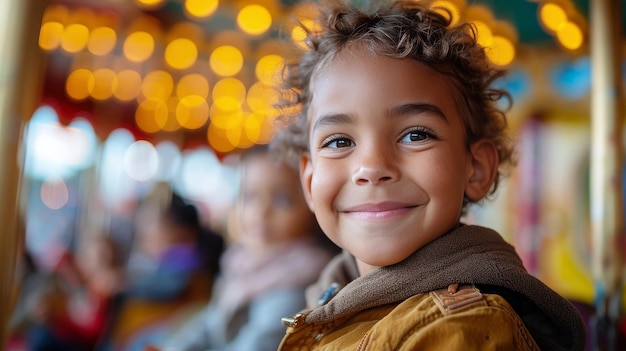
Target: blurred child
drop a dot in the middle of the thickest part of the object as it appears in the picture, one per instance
(75, 309)
(397, 131)
(168, 254)
(277, 251)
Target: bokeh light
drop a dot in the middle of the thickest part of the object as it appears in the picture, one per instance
(552, 16)
(138, 46)
(105, 82)
(483, 33)
(79, 84)
(50, 35)
(502, 51)
(102, 41)
(201, 8)
(130, 87)
(141, 161)
(218, 140)
(192, 112)
(570, 35)
(226, 60)
(75, 38)
(157, 84)
(231, 88)
(449, 9)
(151, 115)
(181, 53)
(192, 84)
(269, 69)
(254, 19)
(54, 193)
(262, 98)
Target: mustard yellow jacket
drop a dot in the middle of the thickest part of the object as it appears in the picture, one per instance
(418, 304)
(468, 321)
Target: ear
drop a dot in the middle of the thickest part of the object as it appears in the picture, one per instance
(306, 177)
(482, 170)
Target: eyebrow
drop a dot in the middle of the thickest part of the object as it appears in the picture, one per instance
(332, 119)
(418, 108)
(401, 110)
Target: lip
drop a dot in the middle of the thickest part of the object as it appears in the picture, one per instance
(379, 210)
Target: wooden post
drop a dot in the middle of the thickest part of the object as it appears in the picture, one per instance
(607, 211)
(20, 83)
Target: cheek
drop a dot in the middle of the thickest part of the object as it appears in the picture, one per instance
(324, 187)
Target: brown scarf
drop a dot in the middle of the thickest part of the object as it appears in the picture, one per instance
(468, 254)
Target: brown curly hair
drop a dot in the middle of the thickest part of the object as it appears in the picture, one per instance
(406, 30)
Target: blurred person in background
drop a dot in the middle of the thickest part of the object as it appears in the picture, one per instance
(170, 272)
(71, 307)
(168, 252)
(277, 250)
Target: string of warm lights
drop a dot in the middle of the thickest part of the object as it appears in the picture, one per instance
(185, 76)
(175, 93)
(562, 19)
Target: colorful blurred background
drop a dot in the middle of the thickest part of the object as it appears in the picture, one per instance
(110, 104)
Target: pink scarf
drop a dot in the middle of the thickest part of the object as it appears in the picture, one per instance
(247, 274)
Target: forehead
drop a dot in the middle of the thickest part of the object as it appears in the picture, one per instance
(359, 76)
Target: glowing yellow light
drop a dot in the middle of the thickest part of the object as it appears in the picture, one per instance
(105, 82)
(181, 53)
(151, 115)
(171, 124)
(218, 140)
(101, 41)
(138, 46)
(149, 3)
(56, 13)
(254, 19)
(552, 16)
(193, 84)
(262, 97)
(229, 87)
(448, 9)
(502, 52)
(192, 112)
(74, 38)
(226, 60)
(483, 33)
(299, 34)
(79, 83)
(269, 69)
(50, 35)
(258, 128)
(226, 117)
(570, 36)
(130, 85)
(201, 8)
(157, 84)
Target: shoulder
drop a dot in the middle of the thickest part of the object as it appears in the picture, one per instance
(452, 319)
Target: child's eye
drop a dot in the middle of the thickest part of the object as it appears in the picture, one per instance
(337, 142)
(417, 134)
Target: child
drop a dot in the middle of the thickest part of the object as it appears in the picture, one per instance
(396, 133)
(277, 252)
(74, 313)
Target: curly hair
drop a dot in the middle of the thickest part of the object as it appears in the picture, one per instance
(405, 30)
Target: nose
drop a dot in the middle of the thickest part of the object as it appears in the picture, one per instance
(375, 168)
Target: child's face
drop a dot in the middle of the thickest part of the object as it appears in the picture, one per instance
(273, 208)
(388, 164)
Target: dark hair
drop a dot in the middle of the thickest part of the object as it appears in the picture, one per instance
(181, 213)
(405, 30)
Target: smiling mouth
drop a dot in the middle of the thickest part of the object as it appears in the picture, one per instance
(380, 210)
